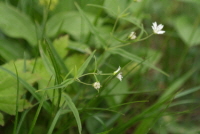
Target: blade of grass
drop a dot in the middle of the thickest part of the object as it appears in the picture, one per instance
(75, 112)
(17, 100)
(135, 58)
(37, 114)
(54, 121)
(186, 92)
(176, 85)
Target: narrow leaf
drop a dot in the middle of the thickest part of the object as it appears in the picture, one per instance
(75, 112)
(135, 58)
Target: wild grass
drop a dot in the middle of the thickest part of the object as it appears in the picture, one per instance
(73, 66)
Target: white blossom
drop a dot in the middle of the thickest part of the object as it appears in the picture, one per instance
(119, 68)
(96, 85)
(119, 76)
(132, 36)
(157, 29)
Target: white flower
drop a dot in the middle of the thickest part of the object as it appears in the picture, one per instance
(119, 68)
(96, 85)
(119, 76)
(132, 36)
(157, 29)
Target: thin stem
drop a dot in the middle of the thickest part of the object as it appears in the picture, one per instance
(131, 42)
(82, 82)
(95, 74)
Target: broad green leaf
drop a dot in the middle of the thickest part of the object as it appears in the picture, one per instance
(83, 48)
(115, 7)
(84, 65)
(75, 60)
(68, 22)
(61, 45)
(188, 30)
(73, 108)
(25, 79)
(8, 89)
(135, 58)
(10, 50)
(16, 24)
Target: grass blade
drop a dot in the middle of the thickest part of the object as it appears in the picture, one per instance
(135, 58)
(75, 112)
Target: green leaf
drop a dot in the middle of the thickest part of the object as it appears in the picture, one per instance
(75, 112)
(115, 6)
(188, 91)
(75, 60)
(188, 30)
(25, 78)
(16, 24)
(135, 58)
(84, 65)
(61, 45)
(68, 22)
(53, 124)
(10, 50)
(92, 28)
(1, 119)
(83, 48)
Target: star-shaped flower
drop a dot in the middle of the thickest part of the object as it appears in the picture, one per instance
(157, 29)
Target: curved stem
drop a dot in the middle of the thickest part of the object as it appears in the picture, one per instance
(132, 42)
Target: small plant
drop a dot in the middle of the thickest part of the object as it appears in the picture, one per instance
(90, 67)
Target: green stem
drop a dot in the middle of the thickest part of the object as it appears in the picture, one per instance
(82, 82)
(132, 42)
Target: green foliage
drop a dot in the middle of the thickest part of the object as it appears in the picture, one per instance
(16, 24)
(187, 30)
(71, 67)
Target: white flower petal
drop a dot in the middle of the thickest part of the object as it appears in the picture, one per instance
(161, 32)
(157, 29)
(119, 76)
(132, 35)
(155, 24)
(160, 27)
(119, 68)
